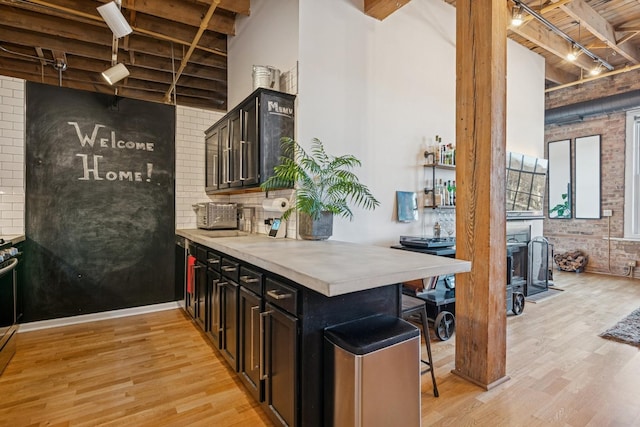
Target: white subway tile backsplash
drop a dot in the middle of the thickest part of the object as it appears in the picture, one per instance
(12, 156)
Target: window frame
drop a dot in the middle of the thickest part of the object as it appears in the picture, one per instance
(632, 176)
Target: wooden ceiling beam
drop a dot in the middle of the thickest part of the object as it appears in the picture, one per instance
(241, 7)
(558, 76)
(196, 39)
(380, 9)
(148, 54)
(185, 12)
(34, 71)
(34, 17)
(540, 35)
(54, 26)
(590, 19)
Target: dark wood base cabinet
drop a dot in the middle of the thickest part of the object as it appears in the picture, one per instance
(271, 331)
(281, 365)
(251, 361)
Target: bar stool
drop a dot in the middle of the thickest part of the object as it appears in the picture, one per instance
(412, 306)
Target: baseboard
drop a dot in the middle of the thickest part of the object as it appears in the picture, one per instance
(85, 318)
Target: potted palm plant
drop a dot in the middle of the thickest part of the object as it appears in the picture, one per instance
(325, 186)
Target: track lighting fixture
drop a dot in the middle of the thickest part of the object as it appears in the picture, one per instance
(112, 15)
(597, 69)
(115, 73)
(562, 34)
(574, 53)
(516, 15)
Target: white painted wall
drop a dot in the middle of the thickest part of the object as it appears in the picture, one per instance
(382, 90)
(270, 39)
(525, 101)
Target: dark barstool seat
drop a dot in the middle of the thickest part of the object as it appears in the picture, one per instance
(412, 306)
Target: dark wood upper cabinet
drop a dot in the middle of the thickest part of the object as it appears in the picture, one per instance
(243, 147)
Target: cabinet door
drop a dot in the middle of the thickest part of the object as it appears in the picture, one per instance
(250, 153)
(281, 365)
(212, 160)
(235, 137)
(229, 322)
(201, 295)
(215, 310)
(250, 341)
(225, 155)
(276, 121)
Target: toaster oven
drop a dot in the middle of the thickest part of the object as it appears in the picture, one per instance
(216, 216)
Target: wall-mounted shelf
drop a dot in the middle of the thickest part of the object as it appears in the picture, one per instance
(430, 192)
(440, 166)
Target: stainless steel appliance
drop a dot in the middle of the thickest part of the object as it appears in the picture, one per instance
(8, 301)
(216, 216)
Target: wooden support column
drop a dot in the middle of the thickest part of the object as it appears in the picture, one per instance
(481, 34)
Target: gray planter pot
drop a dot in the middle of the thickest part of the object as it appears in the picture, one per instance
(320, 229)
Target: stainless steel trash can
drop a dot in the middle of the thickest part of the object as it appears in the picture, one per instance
(373, 373)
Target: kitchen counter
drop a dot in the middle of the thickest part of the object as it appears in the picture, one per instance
(329, 267)
(14, 238)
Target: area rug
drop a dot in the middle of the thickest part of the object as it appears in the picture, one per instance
(543, 296)
(627, 330)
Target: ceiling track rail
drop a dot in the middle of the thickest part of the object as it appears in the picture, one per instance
(562, 34)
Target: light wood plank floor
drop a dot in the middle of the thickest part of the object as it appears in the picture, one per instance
(159, 370)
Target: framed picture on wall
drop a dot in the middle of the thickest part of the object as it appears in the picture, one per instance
(559, 153)
(587, 177)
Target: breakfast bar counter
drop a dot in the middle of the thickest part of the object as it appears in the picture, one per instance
(329, 267)
(265, 304)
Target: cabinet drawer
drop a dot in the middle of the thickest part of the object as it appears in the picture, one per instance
(201, 254)
(281, 295)
(230, 269)
(251, 279)
(213, 261)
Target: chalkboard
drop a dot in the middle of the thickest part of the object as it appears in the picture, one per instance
(100, 202)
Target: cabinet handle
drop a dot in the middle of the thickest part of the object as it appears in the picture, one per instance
(262, 373)
(228, 268)
(253, 310)
(247, 279)
(213, 261)
(215, 170)
(242, 177)
(278, 294)
(221, 284)
(226, 178)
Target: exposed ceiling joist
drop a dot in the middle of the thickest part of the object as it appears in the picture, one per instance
(547, 40)
(380, 9)
(599, 27)
(196, 39)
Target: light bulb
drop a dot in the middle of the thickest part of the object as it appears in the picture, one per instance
(516, 16)
(596, 70)
(574, 53)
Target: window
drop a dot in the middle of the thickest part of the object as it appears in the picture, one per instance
(632, 177)
(526, 177)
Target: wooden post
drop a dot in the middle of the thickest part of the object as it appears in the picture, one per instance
(480, 200)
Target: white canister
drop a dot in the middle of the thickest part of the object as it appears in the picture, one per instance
(266, 76)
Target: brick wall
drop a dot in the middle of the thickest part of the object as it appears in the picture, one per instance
(592, 236)
(11, 156)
